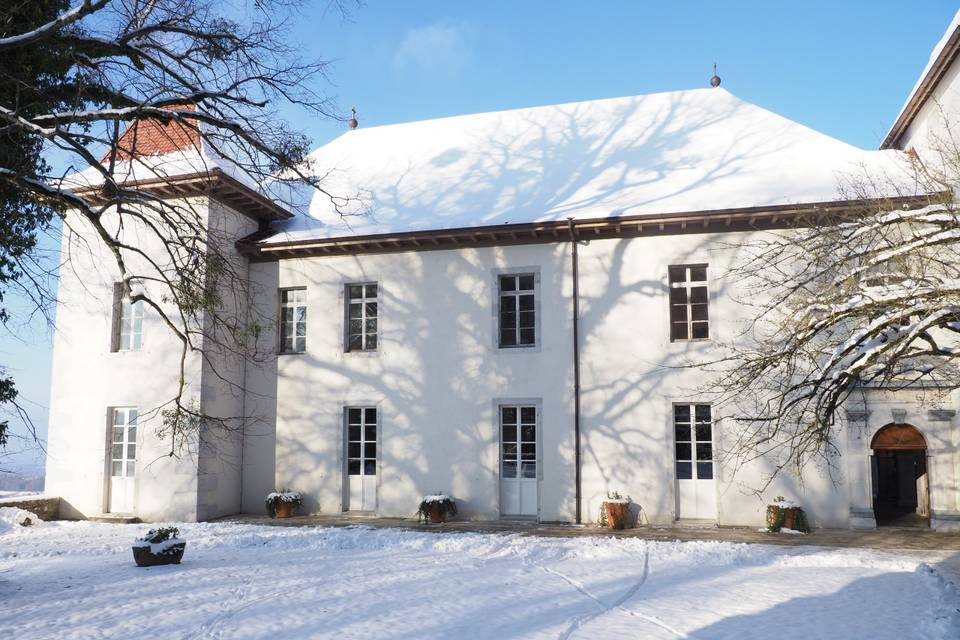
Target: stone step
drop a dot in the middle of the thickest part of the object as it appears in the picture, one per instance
(114, 518)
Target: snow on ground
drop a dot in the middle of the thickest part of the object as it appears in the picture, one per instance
(78, 580)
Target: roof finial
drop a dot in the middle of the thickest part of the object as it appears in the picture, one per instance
(352, 122)
(715, 80)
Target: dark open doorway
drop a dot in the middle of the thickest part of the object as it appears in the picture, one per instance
(901, 490)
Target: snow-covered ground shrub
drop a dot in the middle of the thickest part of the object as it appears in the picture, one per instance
(15, 517)
(285, 496)
(436, 507)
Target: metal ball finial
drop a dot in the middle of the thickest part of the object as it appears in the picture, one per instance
(715, 80)
(352, 122)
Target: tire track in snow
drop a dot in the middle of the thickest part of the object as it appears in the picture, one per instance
(580, 621)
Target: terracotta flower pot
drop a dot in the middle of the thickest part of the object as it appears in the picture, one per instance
(284, 509)
(144, 557)
(617, 514)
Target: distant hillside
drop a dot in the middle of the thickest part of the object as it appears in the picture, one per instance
(21, 482)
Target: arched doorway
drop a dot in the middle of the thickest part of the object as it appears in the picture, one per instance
(901, 490)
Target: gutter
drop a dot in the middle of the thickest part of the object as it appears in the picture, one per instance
(575, 260)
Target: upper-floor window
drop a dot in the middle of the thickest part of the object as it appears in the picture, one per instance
(362, 314)
(293, 320)
(688, 302)
(518, 310)
(128, 321)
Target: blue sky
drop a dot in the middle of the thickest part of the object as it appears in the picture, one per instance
(841, 68)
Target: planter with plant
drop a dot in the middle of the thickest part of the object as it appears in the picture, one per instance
(787, 516)
(614, 511)
(159, 546)
(284, 503)
(436, 508)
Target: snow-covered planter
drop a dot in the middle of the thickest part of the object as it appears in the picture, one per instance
(787, 516)
(436, 508)
(615, 511)
(159, 546)
(283, 504)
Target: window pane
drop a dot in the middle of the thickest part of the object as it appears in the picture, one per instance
(703, 432)
(508, 338)
(370, 450)
(528, 469)
(697, 312)
(526, 283)
(301, 314)
(355, 291)
(678, 295)
(131, 468)
(509, 414)
(372, 290)
(684, 470)
(372, 343)
(509, 469)
(683, 450)
(705, 470)
(528, 433)
(300, 345)
(118, 434)
(132, 433)
(353, 467)
(353, 432)
(353, 450)
(527, 319)
(509, 450)
(704, 451)
(681, 413)
(678, 331)
(131, 452)
(132, 416)
(116, 468)
(301, 330)
(698, 294)
(371, 326)
(700, 330)
(354, 415)
(370, 467)
(678, 313)
(528, 415)
(526, 303)
(117, 451)
(371, 415)
(355, 311)
(370, 432)
(682, 432)
(356, 326)
(528, 336)
(509, 433)
(703, 413)
(677, 274)
(508, 283)
(356, 342)
(372, 310)
(698, 274)
(528, 451)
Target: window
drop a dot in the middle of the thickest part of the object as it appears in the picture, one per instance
(362, 317)
(128, 334)
(688, 303)
(293, 320)
(361, 441)
(517, 310)
(123, 443)
(518, 442)
(693, 441)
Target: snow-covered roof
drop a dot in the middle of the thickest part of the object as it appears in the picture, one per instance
(937, 64)
(682, 151)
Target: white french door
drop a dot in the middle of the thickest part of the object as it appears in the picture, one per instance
(519, 484)
(123, 460)
(693, 456)
(361, 459)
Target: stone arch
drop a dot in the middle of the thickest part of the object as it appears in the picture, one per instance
(899, 437)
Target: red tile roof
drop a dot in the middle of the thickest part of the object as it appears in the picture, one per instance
(151, 137)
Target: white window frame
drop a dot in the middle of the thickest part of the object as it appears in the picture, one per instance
(123, 419)
(293, 298)
(694, 441)
(128, 324)
(369, 341)
(688, 285)
(363, 441)
(514, 297)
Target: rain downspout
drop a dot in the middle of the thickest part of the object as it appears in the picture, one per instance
(576, 366)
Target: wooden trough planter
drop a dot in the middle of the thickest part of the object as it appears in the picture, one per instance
(617, 513)
(172, 554)
(786, 516)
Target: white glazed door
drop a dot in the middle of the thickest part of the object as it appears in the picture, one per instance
(519, 486)
(361, 459)
(693, 453)
(123, 460)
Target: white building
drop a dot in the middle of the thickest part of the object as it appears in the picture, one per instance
(458, 339)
